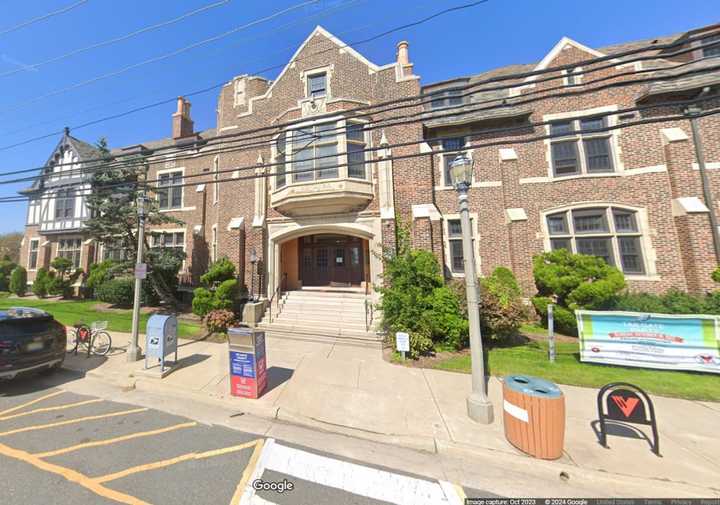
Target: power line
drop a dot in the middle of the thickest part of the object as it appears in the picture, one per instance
(451, 111)
(114, 40)
(219, 85)
(42, 18)
(157, 59)
(483, 132)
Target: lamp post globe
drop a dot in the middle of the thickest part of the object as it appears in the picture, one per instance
(479, 407)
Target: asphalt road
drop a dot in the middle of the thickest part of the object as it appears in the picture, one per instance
(60, 447)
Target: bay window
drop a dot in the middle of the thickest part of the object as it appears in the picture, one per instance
(355, 135)
(65, 204)
(70, 249)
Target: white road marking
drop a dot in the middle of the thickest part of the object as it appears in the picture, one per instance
(249, 497)
(453, 493)
(352, 478)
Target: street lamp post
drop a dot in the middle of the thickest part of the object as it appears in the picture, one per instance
(134, 351)
(253, 261)
(478, 406)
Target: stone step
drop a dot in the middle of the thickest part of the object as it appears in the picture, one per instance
(311, 321)
(320, 329)
(307, 295)
(361, 339)
(324, 315)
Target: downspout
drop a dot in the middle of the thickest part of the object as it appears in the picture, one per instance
(693, 112)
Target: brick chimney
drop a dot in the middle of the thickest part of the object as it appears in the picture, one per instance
(403, 58)
(182, 125)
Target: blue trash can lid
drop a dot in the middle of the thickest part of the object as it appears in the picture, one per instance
(533, 386)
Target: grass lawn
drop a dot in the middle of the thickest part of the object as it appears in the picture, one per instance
(69, 312)
(531, 359)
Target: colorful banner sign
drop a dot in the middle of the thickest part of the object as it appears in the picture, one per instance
(668, 341)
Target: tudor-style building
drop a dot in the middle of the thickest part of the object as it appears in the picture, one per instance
(316, 207)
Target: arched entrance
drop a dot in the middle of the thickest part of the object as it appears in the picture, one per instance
(325, 260)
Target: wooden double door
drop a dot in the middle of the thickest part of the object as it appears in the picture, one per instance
(331, 260)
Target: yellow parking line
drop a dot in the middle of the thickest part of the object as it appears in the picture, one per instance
(70, 475)
(70, 421)
(51, 409)
(31, 402)
(460, 492)
(249, 469)
(172, 461)
(114, 440)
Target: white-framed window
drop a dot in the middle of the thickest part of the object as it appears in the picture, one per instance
(314, 152)
(216, 179)
(356, 153)
(168, 240)
(33, 250)
(214, 244)
(170, 190)
(70, 248)
(317, 85)
(576, 153)
(611, 232)
(453, 244)
(114, 252)
(451, 149)
(572, 77)
(65, 204)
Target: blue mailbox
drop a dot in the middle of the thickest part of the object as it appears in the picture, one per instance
(160, 338)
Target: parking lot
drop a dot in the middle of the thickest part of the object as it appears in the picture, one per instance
(61, 447)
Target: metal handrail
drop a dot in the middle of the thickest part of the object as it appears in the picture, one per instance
(276, 297)
(368, 308)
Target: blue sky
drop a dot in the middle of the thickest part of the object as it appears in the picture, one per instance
(490, 35)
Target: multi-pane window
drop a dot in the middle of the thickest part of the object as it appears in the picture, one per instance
(451, 147)
(712, 51)
(611, 233)
(70, 248)
(65, 204)
(355, 134)
(317, 85)
(170, 190)
(33, 256)
(114, 252)
(280, 158)
(573, 76)
(168, 240)
(579, 147)
(446, 98)
(314, 153)
(455, 246)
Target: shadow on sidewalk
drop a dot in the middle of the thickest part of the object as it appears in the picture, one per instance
(619, 429)
(276, 375)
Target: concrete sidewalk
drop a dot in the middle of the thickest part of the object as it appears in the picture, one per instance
(353, 391)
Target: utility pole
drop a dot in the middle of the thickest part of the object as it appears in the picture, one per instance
(693, 111)
(134, 352)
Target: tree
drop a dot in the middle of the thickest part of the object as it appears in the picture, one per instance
(40, 284)
(18, 281)
(10, 245)
(117, 186)
(6, 268)
(63, 278)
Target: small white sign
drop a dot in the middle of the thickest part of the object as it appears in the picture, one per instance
(141, 270)
(402, 340)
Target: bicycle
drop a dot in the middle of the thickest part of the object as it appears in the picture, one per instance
(93, 338)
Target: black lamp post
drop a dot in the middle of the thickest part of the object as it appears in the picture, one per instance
(253, 262)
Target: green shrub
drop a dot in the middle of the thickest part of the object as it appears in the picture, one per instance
(62, 280)
(716, 274)
(6, 268)
(218, 321)
(99, 273)
(202, 301)
(575, 281)
(119, 291)
(40, 284)
(18, 281)
(671, 302)
(420, 342)
(564, 320)
(445, 318)
(221, 270)
(226, 295)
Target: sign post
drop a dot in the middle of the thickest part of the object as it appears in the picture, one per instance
(402, 342)
(551, 332)
(626, 403)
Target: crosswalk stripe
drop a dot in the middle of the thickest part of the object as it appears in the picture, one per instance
(249, 497)
(353, 478)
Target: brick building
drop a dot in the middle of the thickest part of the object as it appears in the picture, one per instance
(332, 184)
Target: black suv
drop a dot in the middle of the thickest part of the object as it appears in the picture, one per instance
(30, 340)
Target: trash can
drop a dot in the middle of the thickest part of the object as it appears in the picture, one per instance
(534, 416)
(248, 369)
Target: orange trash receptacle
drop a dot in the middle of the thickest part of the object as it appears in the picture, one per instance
(534, 416)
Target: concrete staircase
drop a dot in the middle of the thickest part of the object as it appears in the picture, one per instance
(321, 316)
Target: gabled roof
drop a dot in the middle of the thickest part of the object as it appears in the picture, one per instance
(82, 150)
